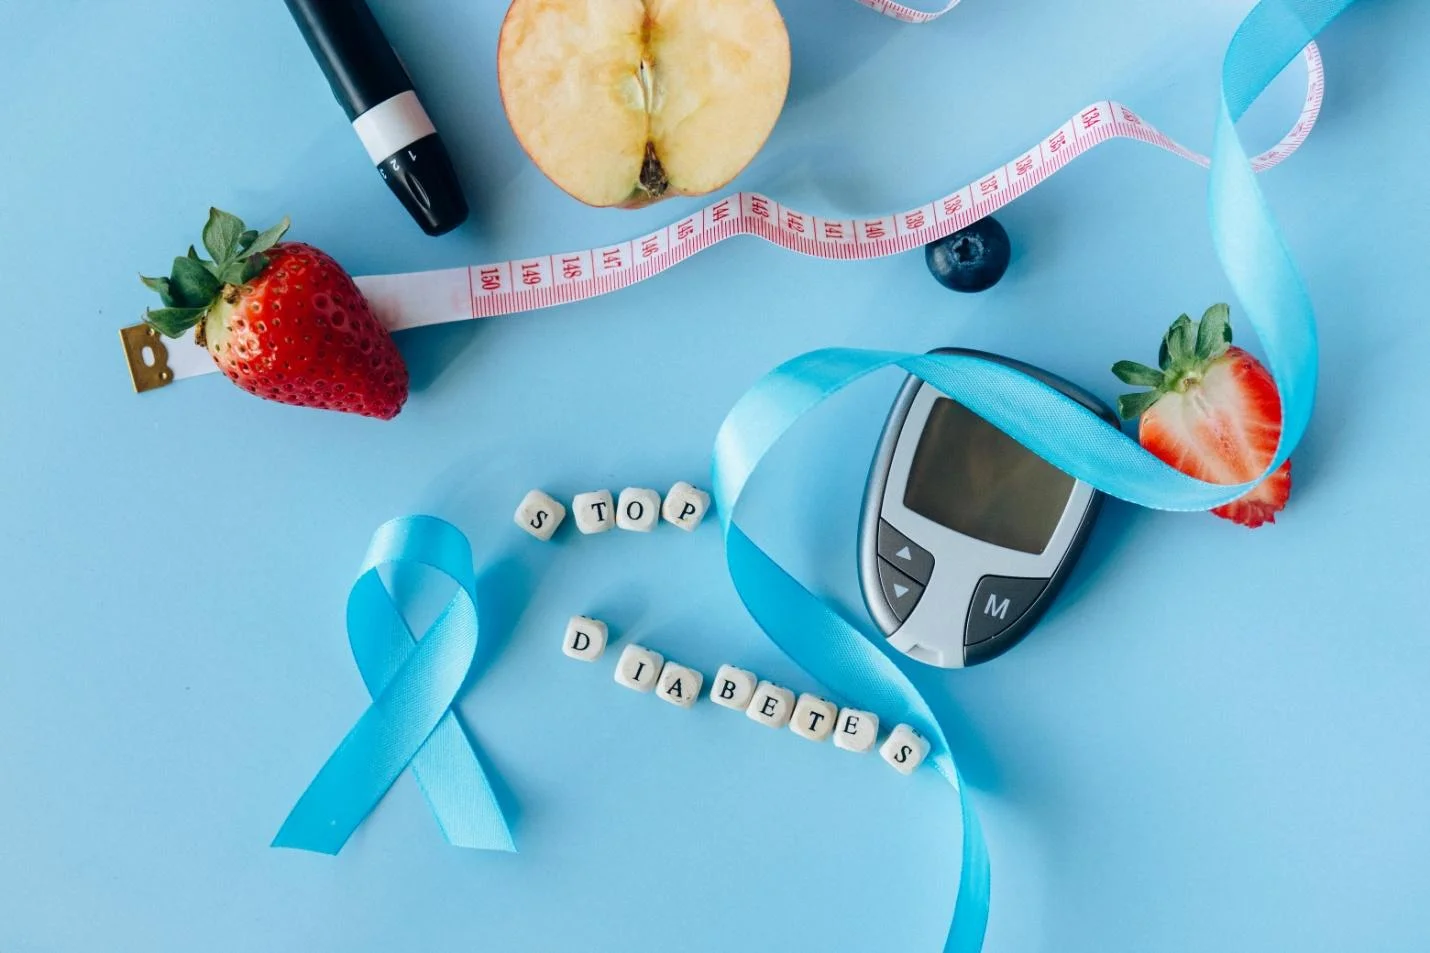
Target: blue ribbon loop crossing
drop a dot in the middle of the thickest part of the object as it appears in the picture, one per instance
(850, 661)
(413, 684)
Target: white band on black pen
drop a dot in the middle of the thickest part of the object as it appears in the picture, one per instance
(393, 125)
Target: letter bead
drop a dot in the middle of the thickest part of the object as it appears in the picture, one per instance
(813, 717)
(679, 685)
(733, 687)
(595, 512)
(771, 705)
(638, 668)
(685, 506)
(539, 515)
(585, 638)
(904, 749)
(637, 509)
(856, 730)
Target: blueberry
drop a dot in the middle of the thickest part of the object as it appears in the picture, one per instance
(972, 258)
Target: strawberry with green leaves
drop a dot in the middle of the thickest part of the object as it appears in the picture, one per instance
(1213, 413)
(282, 320)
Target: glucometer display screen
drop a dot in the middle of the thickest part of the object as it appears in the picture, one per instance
(976, 480)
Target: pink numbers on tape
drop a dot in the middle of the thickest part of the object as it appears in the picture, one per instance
(528, 284)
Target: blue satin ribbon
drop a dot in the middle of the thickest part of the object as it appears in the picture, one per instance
(850, 661)
(413, 684)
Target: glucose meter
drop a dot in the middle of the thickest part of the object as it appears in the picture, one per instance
(966, 535)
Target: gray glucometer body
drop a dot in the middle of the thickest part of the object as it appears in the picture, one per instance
(966, 535)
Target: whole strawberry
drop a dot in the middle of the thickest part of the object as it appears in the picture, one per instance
(283, 321)
(1213, 413)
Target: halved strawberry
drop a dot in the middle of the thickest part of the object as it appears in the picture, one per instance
(283, 321)
(1213, 413)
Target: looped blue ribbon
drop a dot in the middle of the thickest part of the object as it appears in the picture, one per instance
(851, 662)
(413, 684)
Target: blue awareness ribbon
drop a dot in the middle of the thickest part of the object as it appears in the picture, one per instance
(413, 684)
(849, 660)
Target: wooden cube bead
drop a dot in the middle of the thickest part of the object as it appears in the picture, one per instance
(637, 509)
(904, 749)
(539, 514)
(813, 717)
(679, 685)
(685, 506)
(595, 512)
(856, 730)
(771, 705)
(585, 638)
(733, 687)
(638, 668)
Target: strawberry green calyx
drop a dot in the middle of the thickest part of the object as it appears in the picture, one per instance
(195, 285)
(1188, 348)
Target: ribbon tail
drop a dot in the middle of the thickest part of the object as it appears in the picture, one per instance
(348, 786)
(449, 772)
(838, 655)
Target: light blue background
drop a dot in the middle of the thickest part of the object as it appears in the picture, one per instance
(1216, 740)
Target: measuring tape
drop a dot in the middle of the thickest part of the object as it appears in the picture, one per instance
(898, 11)
(417, 299)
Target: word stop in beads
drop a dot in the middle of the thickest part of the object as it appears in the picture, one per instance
(636, 509)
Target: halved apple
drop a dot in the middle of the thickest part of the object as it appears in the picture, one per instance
(626, 102)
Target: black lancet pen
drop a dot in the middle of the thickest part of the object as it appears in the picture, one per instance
(373, 87)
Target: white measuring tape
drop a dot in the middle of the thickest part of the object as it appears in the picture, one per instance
(907, 14)
(416, 299)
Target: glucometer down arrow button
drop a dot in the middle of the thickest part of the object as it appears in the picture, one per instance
(900, 592)
(906, 555)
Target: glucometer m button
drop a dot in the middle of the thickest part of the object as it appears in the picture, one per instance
(999, 602)
(900, 591)
(904, 554)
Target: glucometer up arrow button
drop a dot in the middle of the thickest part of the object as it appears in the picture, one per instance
(901, 592)
(906, 555)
